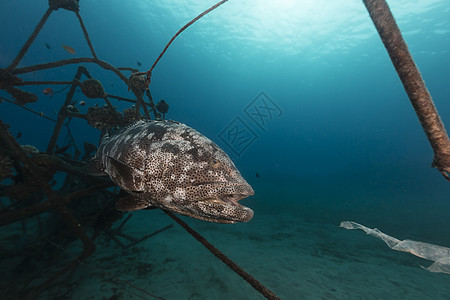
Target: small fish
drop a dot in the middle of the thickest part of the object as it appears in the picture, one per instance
(162, 106)
(257, 175)
(172, 166)
(48, 91)
(47, 45)
(139, 63)
(69, 49)
(72, 108)
(19, 134)
(82, 102)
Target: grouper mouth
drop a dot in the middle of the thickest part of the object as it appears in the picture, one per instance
(222, 209)
(210, 201)
(218, 202)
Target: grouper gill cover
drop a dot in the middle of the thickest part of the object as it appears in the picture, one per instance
(169, 165)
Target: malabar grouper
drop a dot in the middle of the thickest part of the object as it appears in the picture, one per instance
(169, 165)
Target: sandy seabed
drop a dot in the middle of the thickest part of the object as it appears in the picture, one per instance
(294, 258)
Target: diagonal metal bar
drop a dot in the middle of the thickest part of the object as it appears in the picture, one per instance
(30, 41)
(86, 35)
(268, 294)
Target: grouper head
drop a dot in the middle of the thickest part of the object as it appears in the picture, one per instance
(171, 166)
(208, 189)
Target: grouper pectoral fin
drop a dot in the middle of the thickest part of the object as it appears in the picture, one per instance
(131, 202)
(125, 175)
(94, 167)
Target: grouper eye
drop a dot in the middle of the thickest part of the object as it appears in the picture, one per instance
(215, 163)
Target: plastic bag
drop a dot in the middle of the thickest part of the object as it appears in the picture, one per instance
(438, 254)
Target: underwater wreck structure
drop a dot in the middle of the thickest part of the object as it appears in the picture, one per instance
(82, 208)
(28, 177)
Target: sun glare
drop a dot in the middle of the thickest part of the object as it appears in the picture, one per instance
(288, 26)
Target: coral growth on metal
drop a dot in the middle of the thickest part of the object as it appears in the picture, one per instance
(30, 184)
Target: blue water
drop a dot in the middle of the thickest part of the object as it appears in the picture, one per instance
(338, 138)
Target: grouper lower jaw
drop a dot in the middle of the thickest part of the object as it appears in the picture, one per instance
(221, 206)
(220, 210)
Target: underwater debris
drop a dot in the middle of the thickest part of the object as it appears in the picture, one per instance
(100, 117)
(93, 88)
(27, 109)
(152, 105)
(115, 233)
(7, 82)
(61, 150)
(21, 194)
(72, 186)
(130, 115)
(71, 5)
(148, 74)
(137, 85)
(6, 165)
(22, 97)
(268, 294)
(438, 254)
(36, 192)
(8, 79)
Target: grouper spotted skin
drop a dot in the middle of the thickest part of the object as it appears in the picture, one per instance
(169, 165)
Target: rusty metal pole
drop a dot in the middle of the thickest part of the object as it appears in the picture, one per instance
(268, 294)
(412, 82)
(30, 41)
